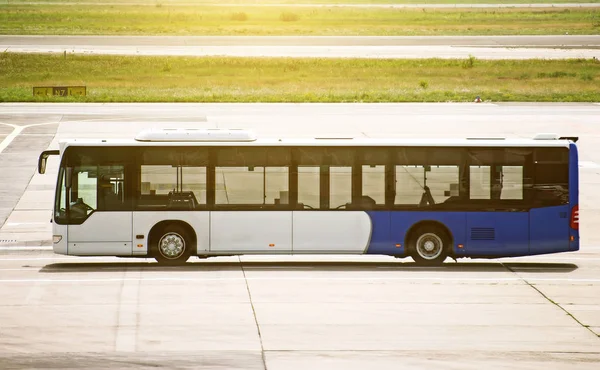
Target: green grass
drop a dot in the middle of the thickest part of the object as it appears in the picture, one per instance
(203, 20)
(217, 79)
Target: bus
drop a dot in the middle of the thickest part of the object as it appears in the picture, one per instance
(170, 194)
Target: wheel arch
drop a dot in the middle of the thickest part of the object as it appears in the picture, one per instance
(156, 230)
(432, 224)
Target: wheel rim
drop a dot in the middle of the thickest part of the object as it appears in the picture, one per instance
(171, 245)
(430, 246)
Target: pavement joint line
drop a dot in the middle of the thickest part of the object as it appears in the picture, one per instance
(298, 278)
(262, 347)
(40, 248)
(127, 328)
(554, 302)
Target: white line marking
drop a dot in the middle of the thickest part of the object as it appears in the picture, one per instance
(16, 131)
(7, 140)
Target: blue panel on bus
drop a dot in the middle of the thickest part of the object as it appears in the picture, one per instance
(398, 223)
(549, 229)
(380, 235)
(573, 192)
(496, 234)
(481, 234)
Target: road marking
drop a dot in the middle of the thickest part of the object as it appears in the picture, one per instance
(16, 131)
(7, 140)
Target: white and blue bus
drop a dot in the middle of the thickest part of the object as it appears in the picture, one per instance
(171, 194)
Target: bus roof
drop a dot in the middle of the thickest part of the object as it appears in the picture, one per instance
(347, 142)
(240, 137)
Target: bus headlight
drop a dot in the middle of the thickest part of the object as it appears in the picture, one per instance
(56, 238)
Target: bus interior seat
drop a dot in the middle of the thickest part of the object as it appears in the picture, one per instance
(426, 198)
(182, 200)
(364, 202)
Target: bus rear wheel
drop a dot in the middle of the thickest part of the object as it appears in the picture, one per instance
(429, 246)
(172, 246)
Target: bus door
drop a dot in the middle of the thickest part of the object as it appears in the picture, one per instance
(100, 219)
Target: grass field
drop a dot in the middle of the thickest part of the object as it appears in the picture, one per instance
(217, 20)
(216, 79)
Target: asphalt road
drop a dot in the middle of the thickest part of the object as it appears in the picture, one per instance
(485, 47)
(295, 312)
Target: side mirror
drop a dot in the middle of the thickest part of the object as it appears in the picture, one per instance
(44, 158)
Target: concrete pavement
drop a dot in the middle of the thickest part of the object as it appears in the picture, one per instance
(295, 312)
(298, 312)
(484, 47)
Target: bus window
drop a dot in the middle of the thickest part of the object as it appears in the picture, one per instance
(251, 185)
(551, 176)
(83, 192)
(276, 185)
(440, 180)
(409, 185)
(309, 186)
(340, 187)
(512, 182)
(373, 183)
(158, 181)
(425, 185)
(60, 203)
(111, 194)
(479, 186)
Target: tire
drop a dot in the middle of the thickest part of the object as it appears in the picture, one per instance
(429, 246)
(172, 246)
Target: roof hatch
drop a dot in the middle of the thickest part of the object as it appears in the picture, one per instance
(195, 134)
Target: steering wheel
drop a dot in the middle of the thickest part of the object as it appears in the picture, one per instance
(80, 208)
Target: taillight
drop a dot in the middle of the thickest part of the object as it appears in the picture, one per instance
(575, 217)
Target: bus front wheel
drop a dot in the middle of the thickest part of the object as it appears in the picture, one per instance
(429, 246)
(172, 246)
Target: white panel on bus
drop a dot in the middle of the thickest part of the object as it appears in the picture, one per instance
(102, 234)
(251, 231)
(100, 249)
(144, 221)
(59, 238)
(331, 231)
(103, 226)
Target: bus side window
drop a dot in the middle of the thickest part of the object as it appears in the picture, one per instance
(110, 188)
